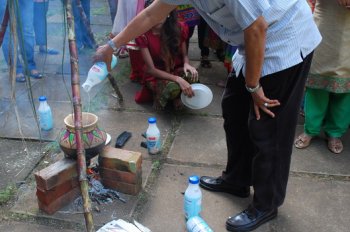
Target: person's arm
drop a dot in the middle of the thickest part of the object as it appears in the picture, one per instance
(144, 21)
(255, 39)
(158, 73)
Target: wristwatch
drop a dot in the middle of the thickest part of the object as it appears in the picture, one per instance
(112, 45)
(253, 90)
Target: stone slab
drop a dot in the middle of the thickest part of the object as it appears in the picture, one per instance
(318, 159)
(164, 208)
(311, 204)
(18, 159)
(212, 75)
(27, 204)
(26, 226)
(10, 126)
(314, 204)
(200, 140)
(115, 122)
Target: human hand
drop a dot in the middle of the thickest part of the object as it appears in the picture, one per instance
(103, 54)
(192, 70)
(263, 103)
(345, 3)
(185, 87)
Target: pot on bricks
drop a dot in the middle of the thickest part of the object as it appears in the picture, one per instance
(93, 137)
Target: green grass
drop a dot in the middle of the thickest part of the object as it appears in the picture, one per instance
(7, 194)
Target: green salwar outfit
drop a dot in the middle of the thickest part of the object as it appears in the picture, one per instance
(327, 111)
(327, 97)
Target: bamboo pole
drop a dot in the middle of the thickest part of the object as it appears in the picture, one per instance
(81, 160)
(4, 23)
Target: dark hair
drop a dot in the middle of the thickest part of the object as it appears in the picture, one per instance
(170, 38)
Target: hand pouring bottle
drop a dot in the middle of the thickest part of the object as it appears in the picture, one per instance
(97, 73)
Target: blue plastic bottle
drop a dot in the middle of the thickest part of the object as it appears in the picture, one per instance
(45, 114)
(193, 198)
(197, 224)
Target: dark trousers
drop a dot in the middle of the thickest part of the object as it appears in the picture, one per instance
(259, 151)
(202, 30)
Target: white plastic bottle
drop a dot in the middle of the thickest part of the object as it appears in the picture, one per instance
(97, 73)
(153, 136)
(193, 198)
(45, 114)
(197, 224)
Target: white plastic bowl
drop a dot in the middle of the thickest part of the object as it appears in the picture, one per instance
(202, 97)
(108, 139)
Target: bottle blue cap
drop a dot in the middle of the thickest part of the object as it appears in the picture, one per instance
(152, 120)
(193, 179)
(42, 98)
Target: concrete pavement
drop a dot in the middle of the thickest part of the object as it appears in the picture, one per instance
(318, 193)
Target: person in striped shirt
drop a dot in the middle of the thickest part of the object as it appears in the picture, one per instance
(275, 41)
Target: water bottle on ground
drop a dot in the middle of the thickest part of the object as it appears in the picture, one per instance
(45, 114)
(97, 73)
(197, 224)
(153, 136)
(193, 198)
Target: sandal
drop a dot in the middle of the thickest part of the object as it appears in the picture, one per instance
(49, 51)
(302, 141)
(35, 74)
(20, 78)
(335, 145)
(205, 63)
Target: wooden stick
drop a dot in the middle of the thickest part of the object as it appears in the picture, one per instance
(81, 159)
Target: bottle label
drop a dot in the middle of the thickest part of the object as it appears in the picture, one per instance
(95, 68)
(197, 224)
(153, 144)
(99, 70)
(193, 206)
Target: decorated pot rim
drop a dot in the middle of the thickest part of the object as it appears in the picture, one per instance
(93, 118)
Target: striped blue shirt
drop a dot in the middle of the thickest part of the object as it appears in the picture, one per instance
(291, 34)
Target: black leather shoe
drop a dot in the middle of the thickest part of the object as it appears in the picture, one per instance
(249, 219)
(219, 185)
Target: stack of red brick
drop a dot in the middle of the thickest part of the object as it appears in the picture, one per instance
(58, 185)
(121, 170)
